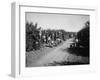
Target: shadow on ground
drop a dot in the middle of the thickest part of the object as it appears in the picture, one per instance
(78, 51)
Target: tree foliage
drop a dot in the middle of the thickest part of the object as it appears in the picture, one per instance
(83, 36)
(82, 45)
(32, 37)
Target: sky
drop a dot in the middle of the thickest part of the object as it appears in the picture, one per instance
(68, 22)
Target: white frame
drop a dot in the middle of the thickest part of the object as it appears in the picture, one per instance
(18, 41)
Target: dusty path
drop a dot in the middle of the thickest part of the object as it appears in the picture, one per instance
(55, 55)
(58, 54)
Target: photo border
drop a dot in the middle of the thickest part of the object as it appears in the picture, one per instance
(17, 66)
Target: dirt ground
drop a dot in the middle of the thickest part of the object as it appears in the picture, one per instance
(47, 55)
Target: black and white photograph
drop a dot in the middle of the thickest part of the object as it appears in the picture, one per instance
(56, 39)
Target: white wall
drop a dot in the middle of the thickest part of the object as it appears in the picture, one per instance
(5, 39)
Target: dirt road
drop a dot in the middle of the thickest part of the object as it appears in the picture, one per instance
(58, 54)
